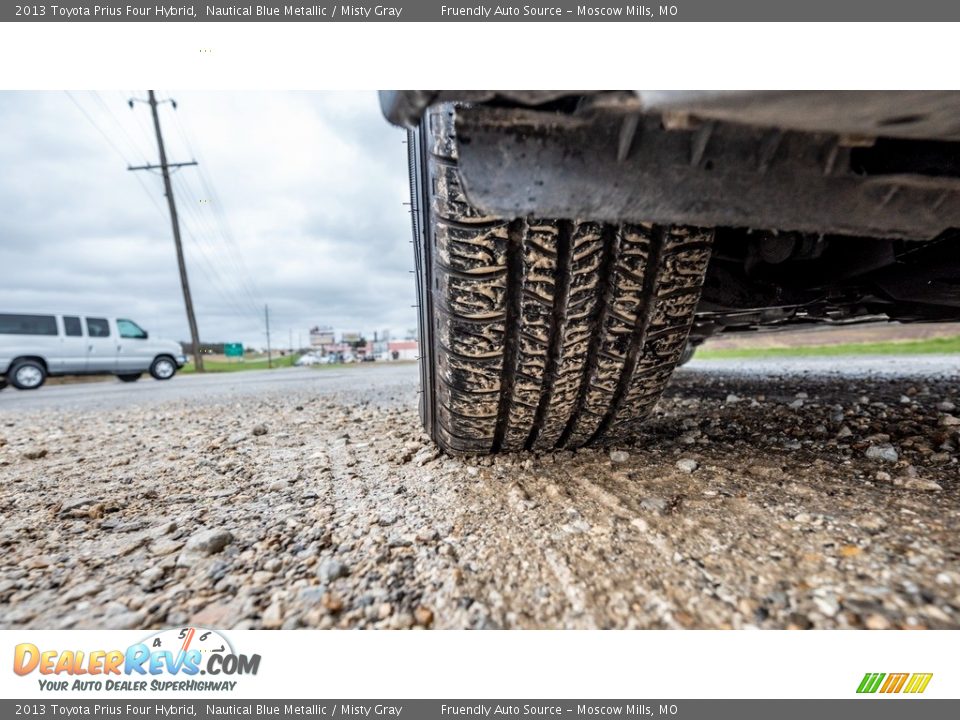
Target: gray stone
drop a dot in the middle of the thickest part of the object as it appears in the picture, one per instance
(687, 465)
(331, 570)
(887, 453)
(209, 542)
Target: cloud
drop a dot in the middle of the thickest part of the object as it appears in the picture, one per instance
(298, 202)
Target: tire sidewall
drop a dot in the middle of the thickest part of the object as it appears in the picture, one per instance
(163, 368)
(418, 140)
(13, 375)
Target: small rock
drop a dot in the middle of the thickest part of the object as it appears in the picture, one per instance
(332, 570)
(876, 622)
(259, 430)
(872, 522)
(945, 421)
(35, 453)
(273, 616)
(401, 621)
(796, 404)
(151, 576)
(844, 432)
(827, 605)
(732, 399)
(919, 484)
(946, 406)
(209, 541)
(423, 616)
(619, 456)
(882, 476)
(163, 547)
(654, 504)
(215, 615)
(82, 590)
(687, 465)
(331, 602)
(125, 620)
(425, 535)
(886, 453)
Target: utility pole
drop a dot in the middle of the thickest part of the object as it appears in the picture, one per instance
(266, 314)
(164, 167)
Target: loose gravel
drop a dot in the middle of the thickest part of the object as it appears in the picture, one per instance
(793, 501)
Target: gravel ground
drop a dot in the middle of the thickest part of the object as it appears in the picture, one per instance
(787, 496)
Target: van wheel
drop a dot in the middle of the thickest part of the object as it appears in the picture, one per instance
(131, 377)
(163, 368)
(27, 375)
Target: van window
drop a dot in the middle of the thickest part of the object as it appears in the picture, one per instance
(129, 329)
(28, 325)
(98, 327)
(71, 326)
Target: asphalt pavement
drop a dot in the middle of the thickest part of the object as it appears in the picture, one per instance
(207, 387)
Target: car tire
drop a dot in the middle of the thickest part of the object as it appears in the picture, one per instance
(130, 377)
(163, 368)
(540, 333)
(27, 374)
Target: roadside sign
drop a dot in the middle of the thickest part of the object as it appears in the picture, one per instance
(320, 336)
(233, 349)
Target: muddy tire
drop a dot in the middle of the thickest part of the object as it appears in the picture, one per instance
(540, 333)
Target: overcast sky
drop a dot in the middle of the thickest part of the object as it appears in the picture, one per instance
(299, 205)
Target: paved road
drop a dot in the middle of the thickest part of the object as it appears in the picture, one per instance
(206, 388)
(855, 366)
(360, 378)
(800, 494)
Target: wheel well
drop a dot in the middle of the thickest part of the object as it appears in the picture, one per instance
(35, 358)
(166, 355)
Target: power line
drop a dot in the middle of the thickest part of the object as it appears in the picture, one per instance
(116, 149)
(248, 282)
(237, 298)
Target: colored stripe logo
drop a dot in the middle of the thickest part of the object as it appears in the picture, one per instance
(913, 683)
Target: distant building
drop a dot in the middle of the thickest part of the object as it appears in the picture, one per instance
(403, 350)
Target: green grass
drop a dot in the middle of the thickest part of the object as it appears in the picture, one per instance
(905, 347)
(238, 366)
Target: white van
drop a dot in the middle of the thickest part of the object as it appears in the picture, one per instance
(33, 347)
